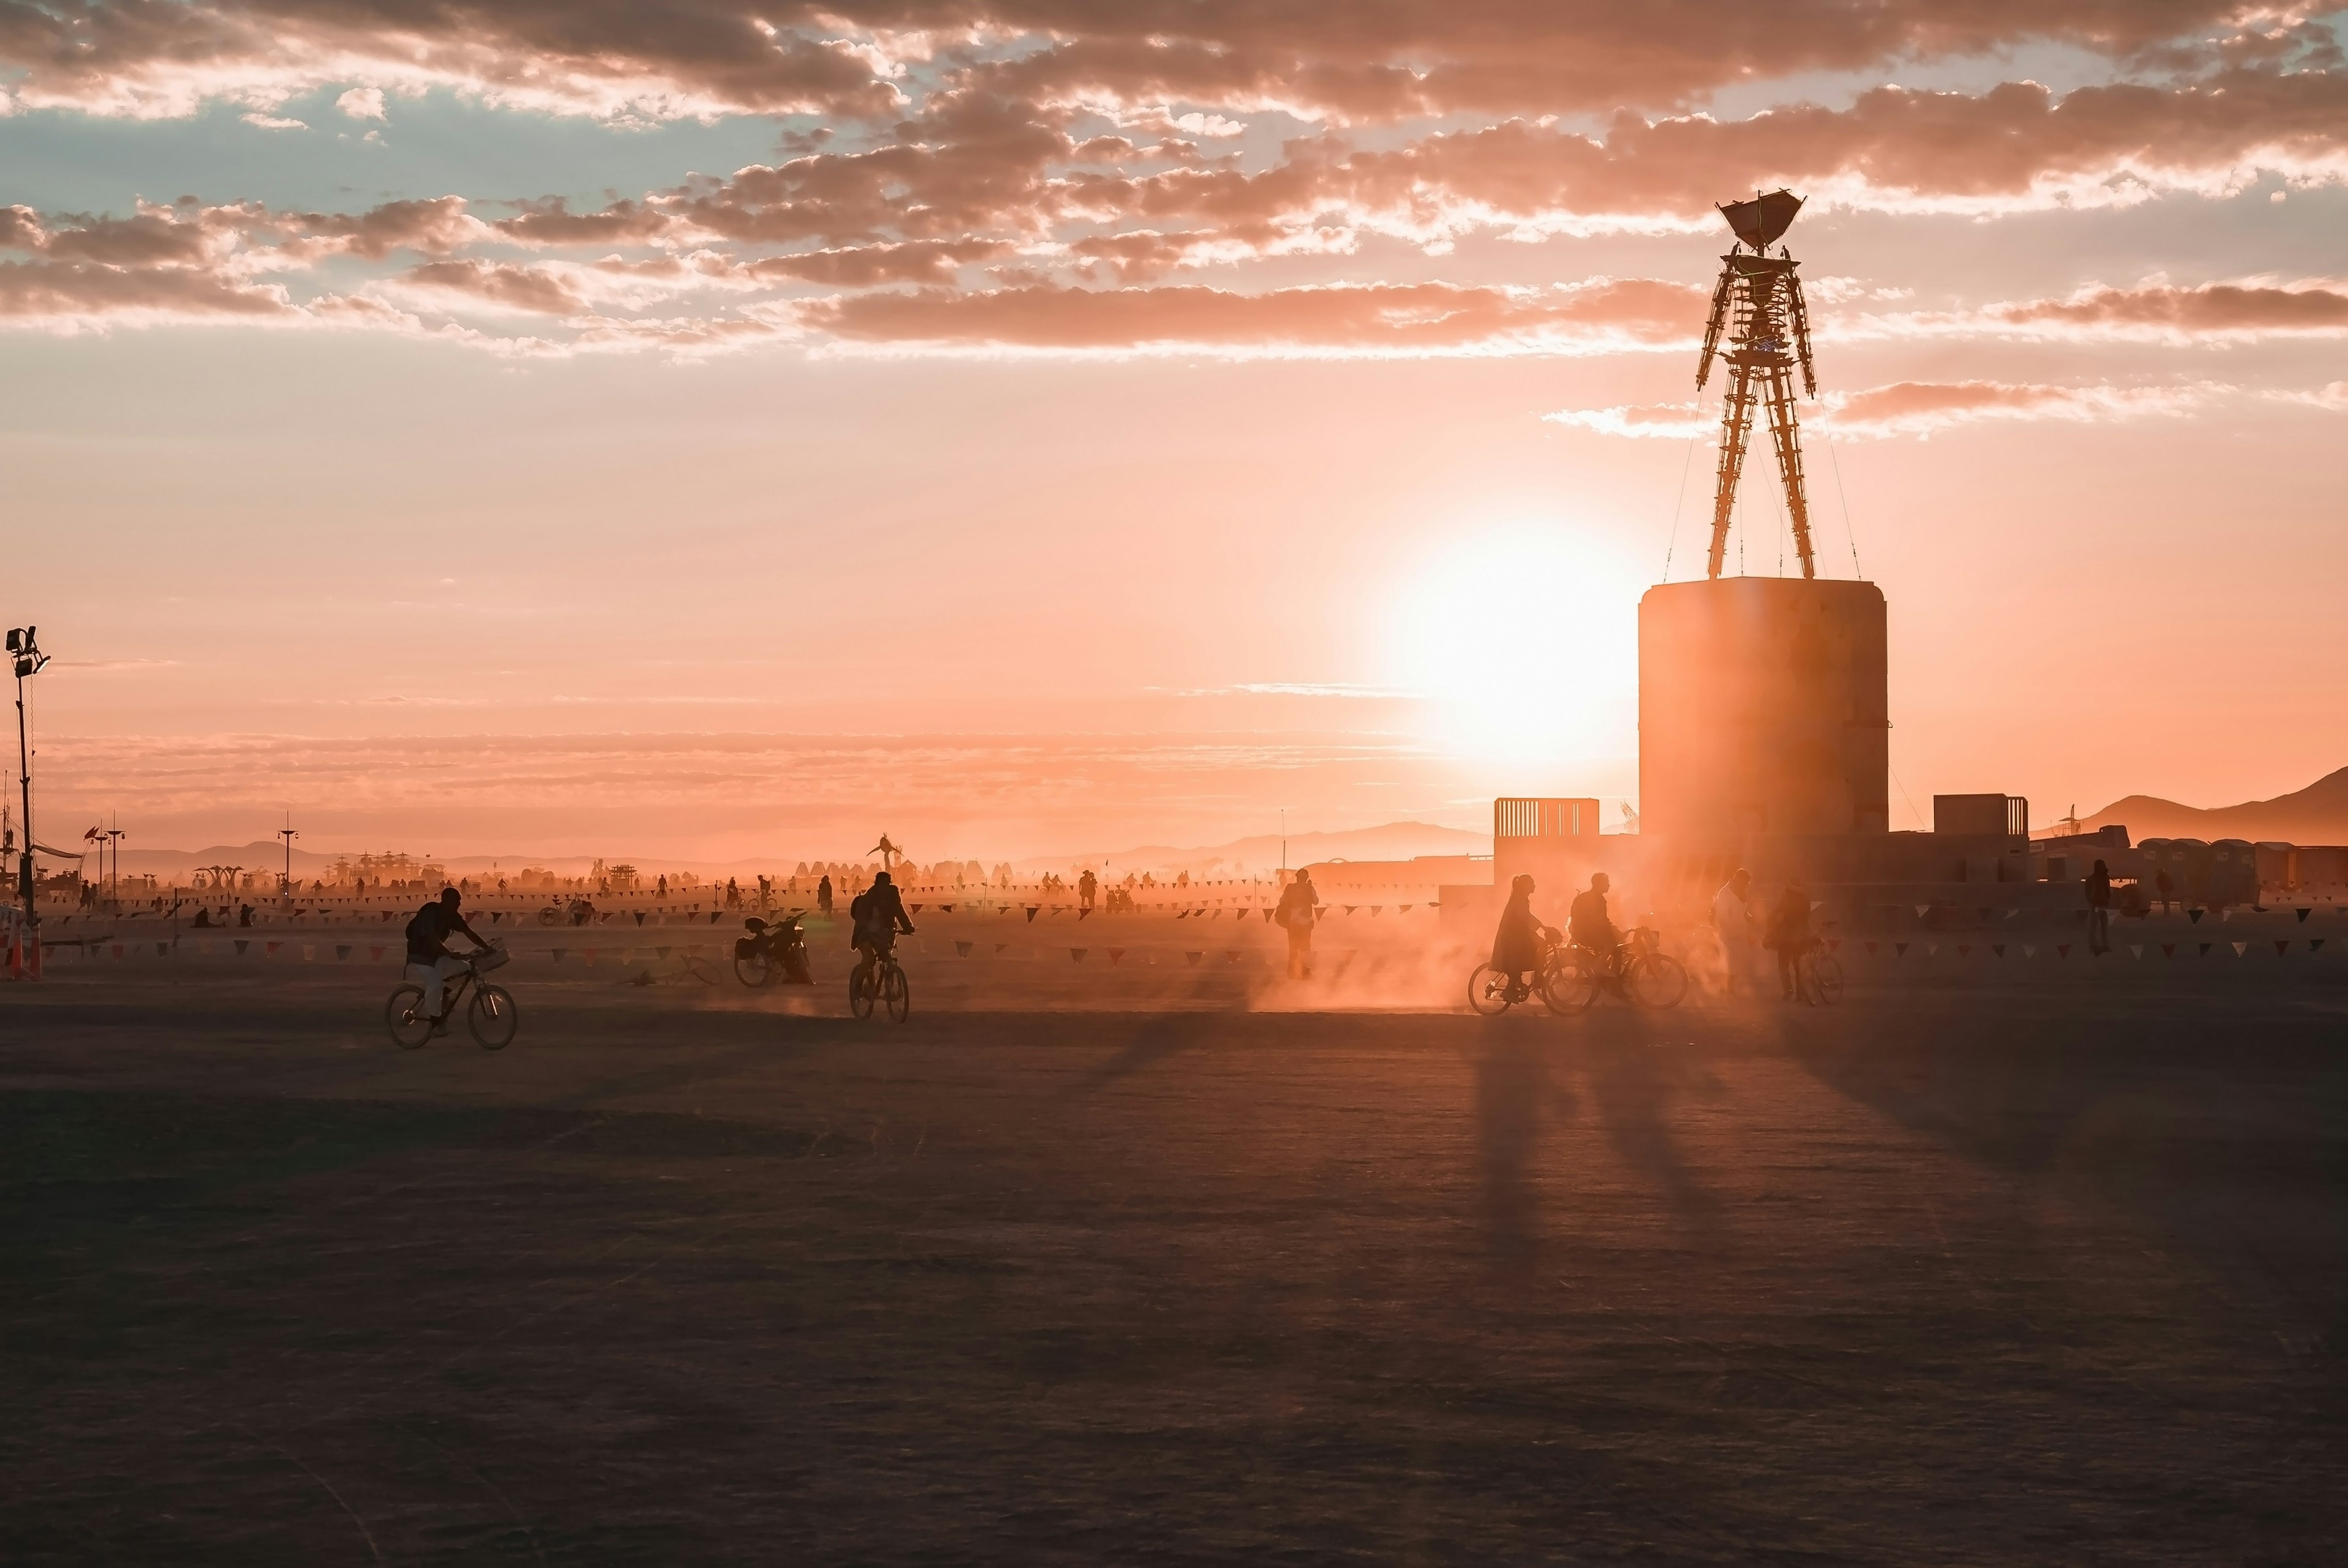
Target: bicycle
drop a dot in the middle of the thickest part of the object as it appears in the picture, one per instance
(1640, 972)
(772, 954)
(1492, 992)
(577, 912)
(491, 1014)
(883, 982)
(1817, 974)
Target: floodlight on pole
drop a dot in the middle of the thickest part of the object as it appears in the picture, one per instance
(26, 655)
(285, 883)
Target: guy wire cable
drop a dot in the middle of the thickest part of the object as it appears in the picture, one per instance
(1696, 430)
(1847, 531)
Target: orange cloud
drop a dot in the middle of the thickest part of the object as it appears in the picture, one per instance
(1406, 318)
(1919, 408)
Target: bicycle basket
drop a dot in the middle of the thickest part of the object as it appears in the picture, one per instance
(497, 958)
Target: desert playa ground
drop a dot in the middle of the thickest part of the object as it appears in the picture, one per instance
(2048, 1267)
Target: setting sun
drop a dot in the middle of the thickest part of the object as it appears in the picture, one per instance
(1521, 639)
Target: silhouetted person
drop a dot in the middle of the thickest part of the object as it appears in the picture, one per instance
(429, 960)
(1086, 886)
(1789, 937)
(1294, 914)
(1732, 916)
(2099, 909)
(204, 917)
(1589, 924)
(1518, 944)
(2168, 889)
(878, 914)
(245, 915)
(733, 894)
(823, 896)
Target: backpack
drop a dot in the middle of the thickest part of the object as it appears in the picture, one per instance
(858, 906)
(422, 928)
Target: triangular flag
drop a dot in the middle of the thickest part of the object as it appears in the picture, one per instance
(1870, 949)
(917, 909)
(1077, 954)
(269, 950)
(1377, 910)
(1351, 907)
(1899, 949)
(999, 947)
(1084, 911)
(118, 948)
(1933, 950)
(1267, 917)
(1998, 948)
(2205, 948)
(2282, 946)
(342, 951)
(308, 952)
(2194, 915)
(2315, 944)
(663, 952)
(2136, 950)
(2029, 951)
(1922, 910)
(376, 954)
(2063, 950)
(2241, 948)
(1182, 913)
(1032, 909)
(961, 950)
(1194, 959)
(2168, 949)
(2302, 915)
(1114, 954)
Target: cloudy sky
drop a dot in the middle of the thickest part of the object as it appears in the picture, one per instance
(703, 429)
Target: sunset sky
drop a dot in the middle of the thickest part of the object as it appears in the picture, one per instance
(703, 430)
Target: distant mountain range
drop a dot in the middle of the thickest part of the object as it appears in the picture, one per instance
(1392, 841)
(2316, 814)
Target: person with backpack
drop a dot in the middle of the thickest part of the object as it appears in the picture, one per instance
(878, 915)
(429, 960)
(1296, 913)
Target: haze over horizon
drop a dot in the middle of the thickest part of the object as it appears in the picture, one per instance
(713, 432)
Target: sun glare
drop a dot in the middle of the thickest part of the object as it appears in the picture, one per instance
(1523, 641)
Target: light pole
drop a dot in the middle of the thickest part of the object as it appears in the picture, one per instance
(29, 658)
(114, 885)
(285, 883)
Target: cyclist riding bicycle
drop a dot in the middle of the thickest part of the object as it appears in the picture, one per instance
(880, 915)
(430, 961)
(1520, 946)
(1591, 927)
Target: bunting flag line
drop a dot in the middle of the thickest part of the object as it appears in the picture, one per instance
(2241, 948)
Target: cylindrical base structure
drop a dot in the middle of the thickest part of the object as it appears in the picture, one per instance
(1762, 709)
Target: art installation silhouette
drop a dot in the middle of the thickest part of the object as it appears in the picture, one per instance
(1759, 303)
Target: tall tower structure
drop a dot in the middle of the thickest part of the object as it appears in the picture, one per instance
(1763, 708)
(1757, 305)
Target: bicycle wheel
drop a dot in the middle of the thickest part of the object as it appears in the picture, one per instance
(859, 995)
(550, 915)
(701, 970)
(755, 968)
(1656, 980)
(491, 1018)
(896, 993)
(404, 1013)
(1568, 985)
(1824, 972)
(1487, 991)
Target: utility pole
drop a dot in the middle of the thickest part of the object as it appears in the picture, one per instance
(29, 658)
(114, 882)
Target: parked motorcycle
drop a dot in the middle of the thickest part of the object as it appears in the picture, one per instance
(774, 953)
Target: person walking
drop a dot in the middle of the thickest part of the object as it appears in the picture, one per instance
(823, 896)
(1296, 913)
(1086, 886)
(2099, 909)
(1732, 916)
(1789, 937)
